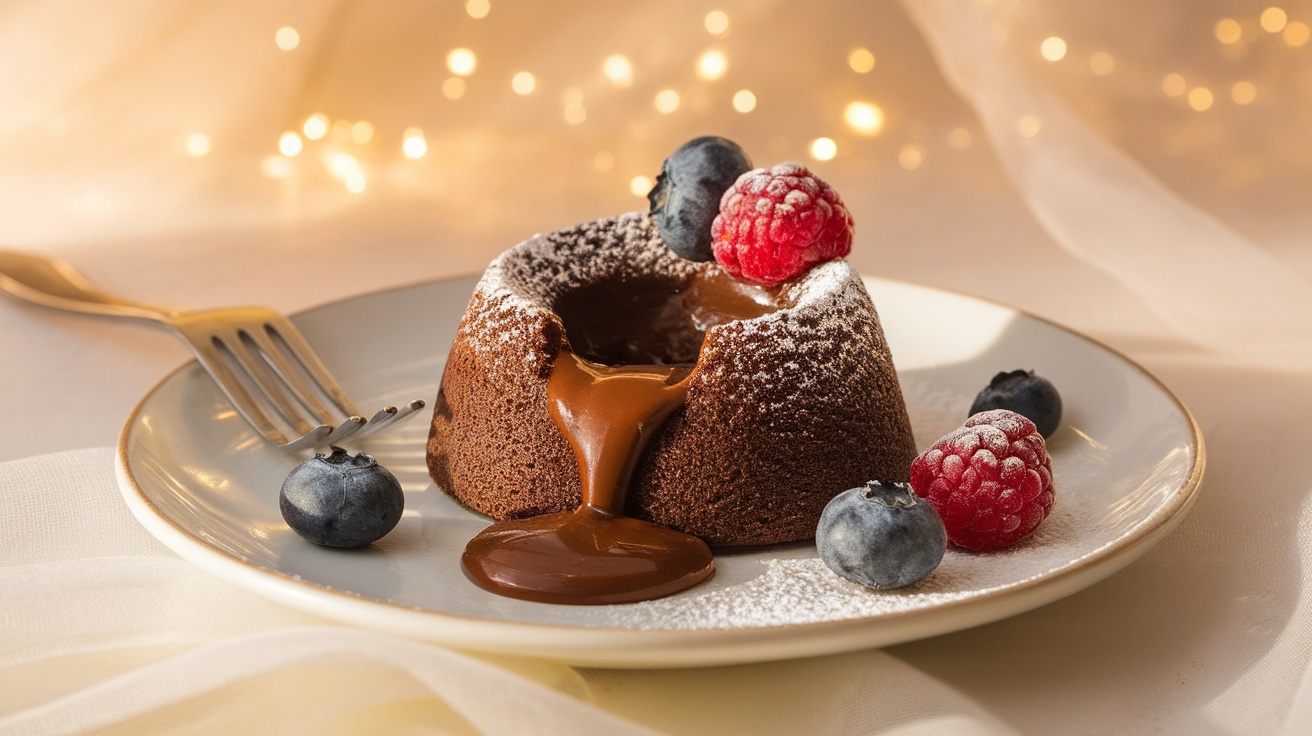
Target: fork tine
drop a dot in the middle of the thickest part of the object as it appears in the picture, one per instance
(264, 378)
(273, 351)
(270, 373)
(214, 362)
(317, 437)
(388, 416)
(299, 349)
(384, 417)
(346, 429)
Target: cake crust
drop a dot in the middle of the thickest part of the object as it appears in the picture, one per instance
(783, 411)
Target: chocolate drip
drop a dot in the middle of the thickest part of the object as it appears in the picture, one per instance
(635, 343)
(595, 554)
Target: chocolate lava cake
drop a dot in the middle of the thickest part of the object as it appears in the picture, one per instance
(794, 397)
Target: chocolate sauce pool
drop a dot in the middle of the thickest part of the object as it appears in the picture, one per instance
(640, 340)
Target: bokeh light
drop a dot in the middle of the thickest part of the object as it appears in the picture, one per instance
(413, 144)
(744, 100)
(290, 143)
(863, 117)
(453, 88)
(1200, 98)
(315, 127)
(1174, 84)
(640, 185)
(198, 144)
(523, 83)
(355, 182)
(618, 69)
(712, 65)
(461, 62)
(1228, 31)
(575, 113)
(823, 149)
(1101, 63)
(860, 60)
(342, 165)
(362, 131)
(414, 147)
(1296, 33)
(1053, 48)
(1243, 93)
(287, 38)
(1273, 19)
(667, 101)
(478, 9)
(911, 156)
(960, 139)
(717, 23)
(1028, 126)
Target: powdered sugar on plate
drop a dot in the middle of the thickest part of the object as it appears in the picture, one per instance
(790, 585)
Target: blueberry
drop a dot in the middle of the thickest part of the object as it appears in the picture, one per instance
(687, 194)
(341, 501)
(881, 535)
(1031, 396)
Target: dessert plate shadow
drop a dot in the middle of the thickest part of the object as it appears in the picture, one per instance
(1127, 460)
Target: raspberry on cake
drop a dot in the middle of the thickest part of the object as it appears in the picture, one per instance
(775, 223)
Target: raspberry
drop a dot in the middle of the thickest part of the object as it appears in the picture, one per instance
(776, 223)
(990, 480)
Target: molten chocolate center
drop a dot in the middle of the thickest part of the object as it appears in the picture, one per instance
(635, 344)
(654, 321)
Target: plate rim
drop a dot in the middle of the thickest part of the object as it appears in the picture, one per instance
(739, 644)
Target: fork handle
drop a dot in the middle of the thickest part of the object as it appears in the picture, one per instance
(51, 282)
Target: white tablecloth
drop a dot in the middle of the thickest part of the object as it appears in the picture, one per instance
(1172, 227)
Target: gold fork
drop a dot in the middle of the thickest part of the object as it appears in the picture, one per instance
(256, 356)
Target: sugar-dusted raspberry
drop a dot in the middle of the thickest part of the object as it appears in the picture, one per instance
(776, 223)
(990, 480)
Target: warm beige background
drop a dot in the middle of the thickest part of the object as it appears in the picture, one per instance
(1176, 235)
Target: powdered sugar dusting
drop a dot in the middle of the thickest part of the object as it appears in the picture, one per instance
(935, 410)
(830, 314)
(535, 273)
(827, 310)
(513, 300)
(795, 588)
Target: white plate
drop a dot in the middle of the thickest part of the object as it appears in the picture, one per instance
(1127, 461)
